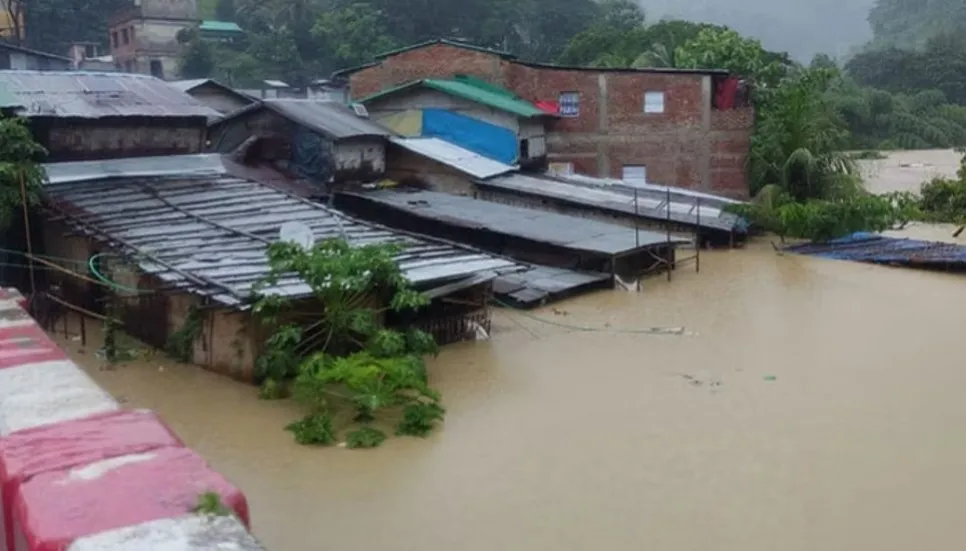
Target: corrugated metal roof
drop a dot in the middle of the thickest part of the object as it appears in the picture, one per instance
(208, 233)
(454, 156)
(616, 196)
(30, 51)
(579, 234)
(879, 249)
(135, 167)
(220, 26)
(326, 117)
(186, 85)
(473, 90)
(95, 95)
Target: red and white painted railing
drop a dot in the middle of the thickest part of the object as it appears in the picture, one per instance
(79, 473)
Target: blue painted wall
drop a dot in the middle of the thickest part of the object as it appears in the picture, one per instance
(489, 140)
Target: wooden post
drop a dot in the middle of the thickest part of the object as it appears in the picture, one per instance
(668, 253)
(697, 241)
(26, 229)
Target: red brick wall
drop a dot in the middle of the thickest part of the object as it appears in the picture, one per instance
(689, 145)
(536, 84)
(437, 60)
(731, 143)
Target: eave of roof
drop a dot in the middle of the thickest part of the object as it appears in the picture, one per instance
(444, 41)
(507, 102)
(667, 70)
(31, 51)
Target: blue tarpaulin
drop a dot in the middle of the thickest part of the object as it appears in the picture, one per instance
(483, 138)
(879, 249)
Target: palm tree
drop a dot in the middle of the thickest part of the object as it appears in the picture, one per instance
(798, 142)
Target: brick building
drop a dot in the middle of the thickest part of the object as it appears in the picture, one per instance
(687, 128)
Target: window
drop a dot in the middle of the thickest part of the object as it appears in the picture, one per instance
(157, 70)
(565, 169)
(124, 37)
(653, 102)
(114, 41)
(635, 174)
(569, 104)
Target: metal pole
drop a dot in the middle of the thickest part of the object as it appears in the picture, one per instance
(637, 226)
(637, 235)
(26, 229)
(668, 252)
(697, 241)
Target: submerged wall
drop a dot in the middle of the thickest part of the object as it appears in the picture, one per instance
(79, 473)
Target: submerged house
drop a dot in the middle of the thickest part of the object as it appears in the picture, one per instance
(186, 236)
(78, 115)
(210, 92)
(703, 216)
(325, 142)
(468, 112)
(544, 238)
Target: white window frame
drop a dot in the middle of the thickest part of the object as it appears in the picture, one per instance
(560, 104)
(651, 105)
(562, 168)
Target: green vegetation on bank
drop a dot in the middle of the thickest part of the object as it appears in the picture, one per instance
(355, 376)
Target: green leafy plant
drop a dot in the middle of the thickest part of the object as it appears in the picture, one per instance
(822, 219)
(210, 504)
(366, 437)
(181, 343)
(346, 367)
(21, 175)
(314, 430)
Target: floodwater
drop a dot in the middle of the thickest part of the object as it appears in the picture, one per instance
(815, 404)
(907, 170)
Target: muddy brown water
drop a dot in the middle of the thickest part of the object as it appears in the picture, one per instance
(817, 405)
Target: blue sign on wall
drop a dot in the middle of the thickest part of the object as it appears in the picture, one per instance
(496, 142)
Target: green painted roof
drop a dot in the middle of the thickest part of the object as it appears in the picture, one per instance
(220, 26)
(472, 89)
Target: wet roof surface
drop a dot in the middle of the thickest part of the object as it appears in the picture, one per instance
(96, 95)
(454, 156)
(614, 195)
(545, 227)
(328, 117)
(207, 233)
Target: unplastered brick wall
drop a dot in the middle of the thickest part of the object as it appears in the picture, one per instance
(434, 61)
(690, 144)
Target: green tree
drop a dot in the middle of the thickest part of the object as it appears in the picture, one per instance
(798, 139)
(348, 369)
(197, 58)
(909, 24)
(20, 158)
(662, 40)
(225, 10)
(726, 49)
(615, 38)
(55, 24)
(353, 34)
